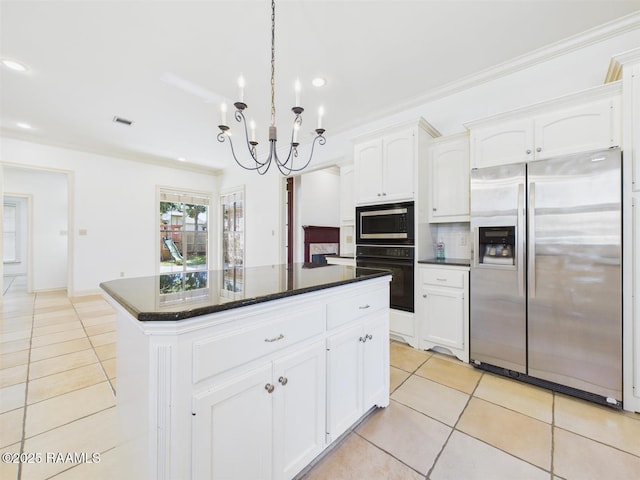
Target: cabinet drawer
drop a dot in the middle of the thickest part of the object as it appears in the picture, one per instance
(231, 349)
(343, 311)
(442, 277)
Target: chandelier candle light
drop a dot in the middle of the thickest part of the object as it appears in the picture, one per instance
(286, 167)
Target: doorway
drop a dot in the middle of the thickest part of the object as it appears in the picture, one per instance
(40, 250)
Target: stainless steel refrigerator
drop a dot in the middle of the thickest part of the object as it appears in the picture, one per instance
(546, 273)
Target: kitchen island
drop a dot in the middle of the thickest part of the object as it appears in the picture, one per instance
(246, 373)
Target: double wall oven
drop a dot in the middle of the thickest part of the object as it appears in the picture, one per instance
(385, 239)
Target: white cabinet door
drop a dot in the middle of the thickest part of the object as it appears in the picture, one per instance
(586, 127)
(232, 428)
(368, 171)
(398, 166)
(344, 380)
(449, 181)
(507, 143)
(375, 362)
(444, 316)
(299, 415)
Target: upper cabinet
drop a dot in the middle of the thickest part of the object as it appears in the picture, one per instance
(384, 168)
(581, 122)
(449, 179)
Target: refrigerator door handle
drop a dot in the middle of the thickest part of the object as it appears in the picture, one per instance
(520, 240)
(531, 233)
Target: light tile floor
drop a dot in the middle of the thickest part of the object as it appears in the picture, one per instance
(446, 420)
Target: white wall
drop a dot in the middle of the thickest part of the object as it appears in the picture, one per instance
(49, 235)
(317, 203)
(114, 200)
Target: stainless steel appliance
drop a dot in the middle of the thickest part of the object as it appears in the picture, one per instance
(389, 224)
(385, 238)
(546, 279)
(399, 260)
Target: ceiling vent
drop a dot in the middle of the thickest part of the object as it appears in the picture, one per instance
(123, 121)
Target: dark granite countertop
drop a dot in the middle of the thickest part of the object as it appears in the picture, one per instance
(178, 296)
(457, 262)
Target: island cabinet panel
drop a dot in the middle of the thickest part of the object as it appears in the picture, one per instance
(269, 334)
(357, 372)
(232, 428)
(241, 393)
(266, 423)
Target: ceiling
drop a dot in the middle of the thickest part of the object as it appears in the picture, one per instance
(167, 65)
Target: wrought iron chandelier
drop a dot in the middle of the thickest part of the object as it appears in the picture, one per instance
(286, 167)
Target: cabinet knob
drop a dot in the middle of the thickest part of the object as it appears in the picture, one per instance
(283, 380)
(368, 336)
(528, 151)
(384, 194)
(539, 149)
(364, 307)
(269, 388)
(424, 295)
(434, 209)
(379, 194)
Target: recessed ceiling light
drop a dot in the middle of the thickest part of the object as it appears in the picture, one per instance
(318, 82)
(23, 125)
(13, 65)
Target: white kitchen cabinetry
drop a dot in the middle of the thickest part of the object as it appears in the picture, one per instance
(449, 179)
(581, 122)
(443, 309)
(357, 372)
(275, 413)
(627, 67)
(384, 168)
(242, 393)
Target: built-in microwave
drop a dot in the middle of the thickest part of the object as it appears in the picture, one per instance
(389, 224)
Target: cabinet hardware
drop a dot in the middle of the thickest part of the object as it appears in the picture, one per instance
(368, 336)
(528, 151)
(283, 380)
(434, 209)
(361, 339)
(269, 388)
(424, 295)
(274, 339)
(364, 307)
(441, 279)
(539, 149)
(379, 194)
(384, 194)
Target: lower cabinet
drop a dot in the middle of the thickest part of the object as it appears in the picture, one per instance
(265, 424)
(357, 372)
(443, 309)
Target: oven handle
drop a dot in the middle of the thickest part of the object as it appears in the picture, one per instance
(362, 261)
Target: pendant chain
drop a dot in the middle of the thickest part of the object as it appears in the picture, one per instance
(273, 62)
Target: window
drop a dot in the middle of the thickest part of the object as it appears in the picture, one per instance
(232, 214)
(184, 232)
(10, 244)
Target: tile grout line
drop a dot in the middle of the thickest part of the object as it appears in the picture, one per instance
(453, 428)
(26, 385)
(113, 390)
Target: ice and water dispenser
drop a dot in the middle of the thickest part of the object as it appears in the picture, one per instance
(496, 245)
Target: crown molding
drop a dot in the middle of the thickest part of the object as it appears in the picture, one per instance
(616, 64)
(592, 36)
